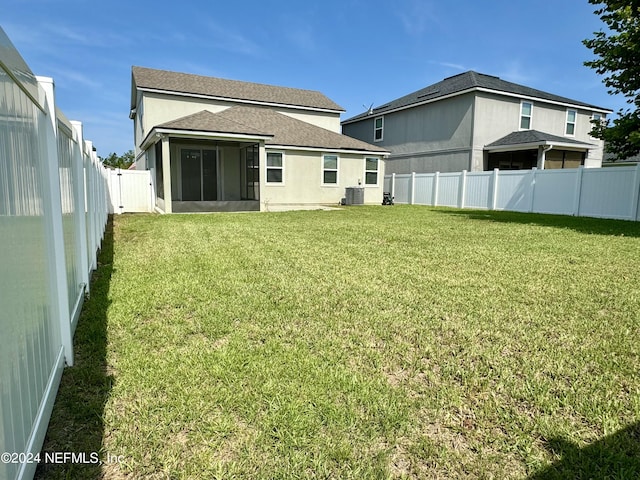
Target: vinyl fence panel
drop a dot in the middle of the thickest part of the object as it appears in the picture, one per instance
(612, 193)
(555, 191)
(479, 190)
(593, 192)
(42, 260)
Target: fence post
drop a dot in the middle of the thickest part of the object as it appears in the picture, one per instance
(53, 213)
(91, 199)
(393, 185)
(412, 196)
(578, 191)
(494, 190)
(532, 188)
(462, 188)
(79, 197)
(635, 194)
(436, 184)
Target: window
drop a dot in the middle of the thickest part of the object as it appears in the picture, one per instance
(275, 167)
(596, 120)
(330, 170)
(526, 111)
(571, 122)
(378, 127)
(371, 171)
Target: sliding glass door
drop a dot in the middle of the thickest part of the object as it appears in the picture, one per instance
(199, 171)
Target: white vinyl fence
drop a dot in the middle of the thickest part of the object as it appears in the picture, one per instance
(586, 192)
(130, 191)
(53, 211)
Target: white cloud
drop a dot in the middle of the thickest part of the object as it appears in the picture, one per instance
(232, 41)
(417, 16)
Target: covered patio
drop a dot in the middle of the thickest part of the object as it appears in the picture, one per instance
(530, 148)
(204, 163)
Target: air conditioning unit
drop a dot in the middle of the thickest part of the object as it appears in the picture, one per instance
(354, 196)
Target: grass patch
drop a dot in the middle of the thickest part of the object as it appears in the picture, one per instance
(372, 342)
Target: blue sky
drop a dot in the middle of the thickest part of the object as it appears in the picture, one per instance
(357, 52)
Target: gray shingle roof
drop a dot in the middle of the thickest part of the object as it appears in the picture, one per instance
(206, 121)
(230, 89)
(467, 81)
(533, 137)
(284, 130)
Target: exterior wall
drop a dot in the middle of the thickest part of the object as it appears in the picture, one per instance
(329, 121)
(303, 180)
(432, 137)
(436, 162)
(497, 116)
(156, 108)
(450, 135)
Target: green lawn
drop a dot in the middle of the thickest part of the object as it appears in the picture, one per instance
(371, 342)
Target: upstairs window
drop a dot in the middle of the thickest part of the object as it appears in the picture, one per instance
(329, 169)
(378, 128)
(571, 123)
(526, 112)
(371, 171)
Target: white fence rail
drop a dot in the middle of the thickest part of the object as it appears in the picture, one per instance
(53, 210)
(586, 192)
(130, 191)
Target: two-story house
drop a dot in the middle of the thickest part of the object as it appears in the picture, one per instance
(215, 144)
(476, 122)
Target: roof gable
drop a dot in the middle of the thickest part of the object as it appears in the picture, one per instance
(189, 84)
(466, 82)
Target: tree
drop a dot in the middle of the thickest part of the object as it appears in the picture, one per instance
(618, 52)
(124, 161)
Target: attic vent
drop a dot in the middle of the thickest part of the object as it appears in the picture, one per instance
(428, 94)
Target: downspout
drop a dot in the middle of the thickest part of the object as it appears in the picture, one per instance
(543, 156)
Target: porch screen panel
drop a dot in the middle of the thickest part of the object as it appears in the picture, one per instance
(209, 175)
(191, 180)
(158, 165)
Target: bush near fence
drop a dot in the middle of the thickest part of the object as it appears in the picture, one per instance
(586, 192)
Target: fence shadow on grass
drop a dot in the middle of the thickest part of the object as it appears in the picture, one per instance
(76, 424)
(588, 225)
(616, 456)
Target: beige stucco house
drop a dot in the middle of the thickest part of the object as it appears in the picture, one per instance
(477, 122)
(214, 144)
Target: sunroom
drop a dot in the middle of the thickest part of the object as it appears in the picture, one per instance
(205, 163)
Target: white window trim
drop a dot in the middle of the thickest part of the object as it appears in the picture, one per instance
(377, 184)
(267, 167)
(381, 129)
(337, 169)
(522, 102)
(567, 123)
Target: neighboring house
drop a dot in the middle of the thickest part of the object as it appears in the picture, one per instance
(214, 144)
(476, 122)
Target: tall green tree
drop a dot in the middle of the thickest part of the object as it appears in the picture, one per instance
(618, 59)
(123, 161)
